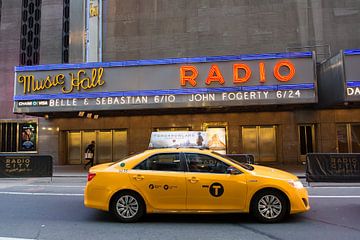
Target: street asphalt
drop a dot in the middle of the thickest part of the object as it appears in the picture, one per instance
(39, 208)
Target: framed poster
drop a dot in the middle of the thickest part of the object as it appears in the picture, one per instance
(27, 139)
(217, 136)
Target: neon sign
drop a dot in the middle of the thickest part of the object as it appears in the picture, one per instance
(241, 73)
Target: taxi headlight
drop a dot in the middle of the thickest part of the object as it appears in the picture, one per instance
(296, 184)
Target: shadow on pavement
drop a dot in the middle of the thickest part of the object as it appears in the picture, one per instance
(192, 218)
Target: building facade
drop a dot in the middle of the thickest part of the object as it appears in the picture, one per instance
(136, 49)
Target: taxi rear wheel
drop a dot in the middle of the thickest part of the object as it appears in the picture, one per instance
(127, 207)
(269, 206)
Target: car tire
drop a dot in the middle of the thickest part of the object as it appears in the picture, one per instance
(269, 206)
(127, 207)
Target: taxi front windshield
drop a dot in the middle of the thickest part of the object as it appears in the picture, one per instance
(244, 165)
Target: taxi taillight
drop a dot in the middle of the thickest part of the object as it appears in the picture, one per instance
(91, 176)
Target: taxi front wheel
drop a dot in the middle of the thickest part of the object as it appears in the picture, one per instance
(269, 206)
(127, 207)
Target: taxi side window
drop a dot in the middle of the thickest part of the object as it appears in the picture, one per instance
(162, 162)
(205, 164)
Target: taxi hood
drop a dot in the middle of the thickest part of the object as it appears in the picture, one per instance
(262, 171)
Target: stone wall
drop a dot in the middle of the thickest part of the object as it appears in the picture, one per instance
(9, 52)
(145, 29)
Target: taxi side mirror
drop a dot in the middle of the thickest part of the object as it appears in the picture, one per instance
(233, 170)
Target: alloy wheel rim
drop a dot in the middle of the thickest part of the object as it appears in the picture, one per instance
(269, 206)
(127, 206)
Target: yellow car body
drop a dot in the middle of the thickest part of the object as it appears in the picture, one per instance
(162, 181)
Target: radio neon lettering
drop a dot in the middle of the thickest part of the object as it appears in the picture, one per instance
(241, 73)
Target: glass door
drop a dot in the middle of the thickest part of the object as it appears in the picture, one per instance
(87, 137)
(307, 140)
(348, 138)
(110, 145)
(267, 143)
(104, 147)
(120, 148)
(74, 148)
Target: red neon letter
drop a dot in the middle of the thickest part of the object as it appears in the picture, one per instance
(284, 63)
(214, 75)
(188, 78)
(262, 72)
(244, 67)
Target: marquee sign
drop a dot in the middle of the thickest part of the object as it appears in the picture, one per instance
(352, 75)
(285, 78)
(339, 79)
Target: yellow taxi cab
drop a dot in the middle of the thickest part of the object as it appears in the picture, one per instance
(186, 180)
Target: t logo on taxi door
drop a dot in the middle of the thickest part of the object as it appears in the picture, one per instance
(216, 189)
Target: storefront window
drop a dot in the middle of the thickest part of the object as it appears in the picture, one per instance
(306, 134)
(342, 141)
(348, 138)
(355, 138)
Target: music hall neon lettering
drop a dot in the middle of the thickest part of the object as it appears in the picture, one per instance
(78, 81)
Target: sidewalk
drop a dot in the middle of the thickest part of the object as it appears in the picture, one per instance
(79, 171)
(69, 171)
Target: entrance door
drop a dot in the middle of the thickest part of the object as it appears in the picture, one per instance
(110, 145)
(260, 141)
(74, 155)
(87, 137)
(306, 139)
(104, 149)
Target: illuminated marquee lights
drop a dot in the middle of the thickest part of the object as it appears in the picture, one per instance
(189, 73)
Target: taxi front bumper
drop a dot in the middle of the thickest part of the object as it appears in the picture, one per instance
(299, 201)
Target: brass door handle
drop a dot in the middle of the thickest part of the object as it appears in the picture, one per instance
(193, 180)
(138, 177)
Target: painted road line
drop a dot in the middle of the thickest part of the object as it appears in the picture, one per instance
(58, 186)
(42, 194)
(334, 187)
(6, 238)
(81, 194)
(334, 196)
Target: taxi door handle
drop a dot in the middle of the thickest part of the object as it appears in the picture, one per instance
(193, 180)
(138, 177)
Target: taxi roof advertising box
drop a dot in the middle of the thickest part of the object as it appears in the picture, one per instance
(190, 139)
